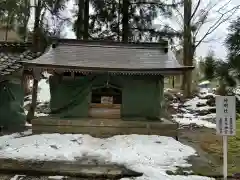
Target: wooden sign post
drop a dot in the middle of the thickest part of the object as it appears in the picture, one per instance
(225, 123)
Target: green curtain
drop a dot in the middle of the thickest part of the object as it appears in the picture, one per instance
(141, 95)
(11, 104)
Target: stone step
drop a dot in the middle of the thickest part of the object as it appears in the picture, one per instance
(86, 167)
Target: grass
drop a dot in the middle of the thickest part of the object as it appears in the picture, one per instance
(209, 148)
(212, 144)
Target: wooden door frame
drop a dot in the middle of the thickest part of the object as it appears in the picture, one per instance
(113, 107)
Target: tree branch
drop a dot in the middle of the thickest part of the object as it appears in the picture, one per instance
(57, 15)
(155, 3)
(224, 6)
(209, 40)
(206, 10)
(218, 23)
(167, 26)
(201, 22)
(196, 8)
(180, 14)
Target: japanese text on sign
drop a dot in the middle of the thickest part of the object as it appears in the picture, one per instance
(226, 115)
(225, 105)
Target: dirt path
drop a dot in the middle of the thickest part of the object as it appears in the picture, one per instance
(209, 148)
(205, 163)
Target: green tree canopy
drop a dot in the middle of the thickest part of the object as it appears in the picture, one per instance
(110, 17)
(228, 71)
(233, 47)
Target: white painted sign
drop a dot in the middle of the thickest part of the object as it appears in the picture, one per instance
(225, 123)
(226, 115)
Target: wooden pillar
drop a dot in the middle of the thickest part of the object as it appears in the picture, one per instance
(36, 78)
(173, 81)
(22, 80)
(25, 80)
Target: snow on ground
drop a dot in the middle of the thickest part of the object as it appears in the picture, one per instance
(204, 92)
(44, 92)
(43, 96)
(152, 155)
(188, 119)
(192, 103)
(196, 111)
(204, 83)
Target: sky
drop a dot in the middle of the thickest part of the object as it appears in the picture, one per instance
(219, 36)
(215, 41)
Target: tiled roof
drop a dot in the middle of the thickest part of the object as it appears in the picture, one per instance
(108, 57)
(11, 54)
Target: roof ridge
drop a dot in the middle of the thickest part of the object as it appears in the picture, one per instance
(113, 46)
(107, 42)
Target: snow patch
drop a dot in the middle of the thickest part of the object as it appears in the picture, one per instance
(193, 103)
(43, 90)
(188, 119)
(43, 96)
(204, 83)
(17, 177)
(55, 177)
(152, 155)
(190, 110)
(44, 93)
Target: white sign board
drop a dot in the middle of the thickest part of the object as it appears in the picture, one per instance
(226, 115)
(106, 100)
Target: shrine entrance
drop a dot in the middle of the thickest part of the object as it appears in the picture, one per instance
(106, 103)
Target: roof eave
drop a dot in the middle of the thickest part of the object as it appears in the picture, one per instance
(167, 71)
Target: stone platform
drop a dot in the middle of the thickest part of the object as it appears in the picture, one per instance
(103, 127)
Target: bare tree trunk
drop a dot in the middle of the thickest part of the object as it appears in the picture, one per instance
(6, 33)
(36, 43)
(86, 19)
(187, 48)
(125, 21)
(80, 20)
(26, 19)
(119, 12)
(36, 30)
(25, 83)
(25, 30)
(188, 87)
(26, 80)
(173, 82)
(33, 105)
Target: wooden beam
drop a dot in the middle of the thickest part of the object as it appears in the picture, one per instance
(98, 105)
